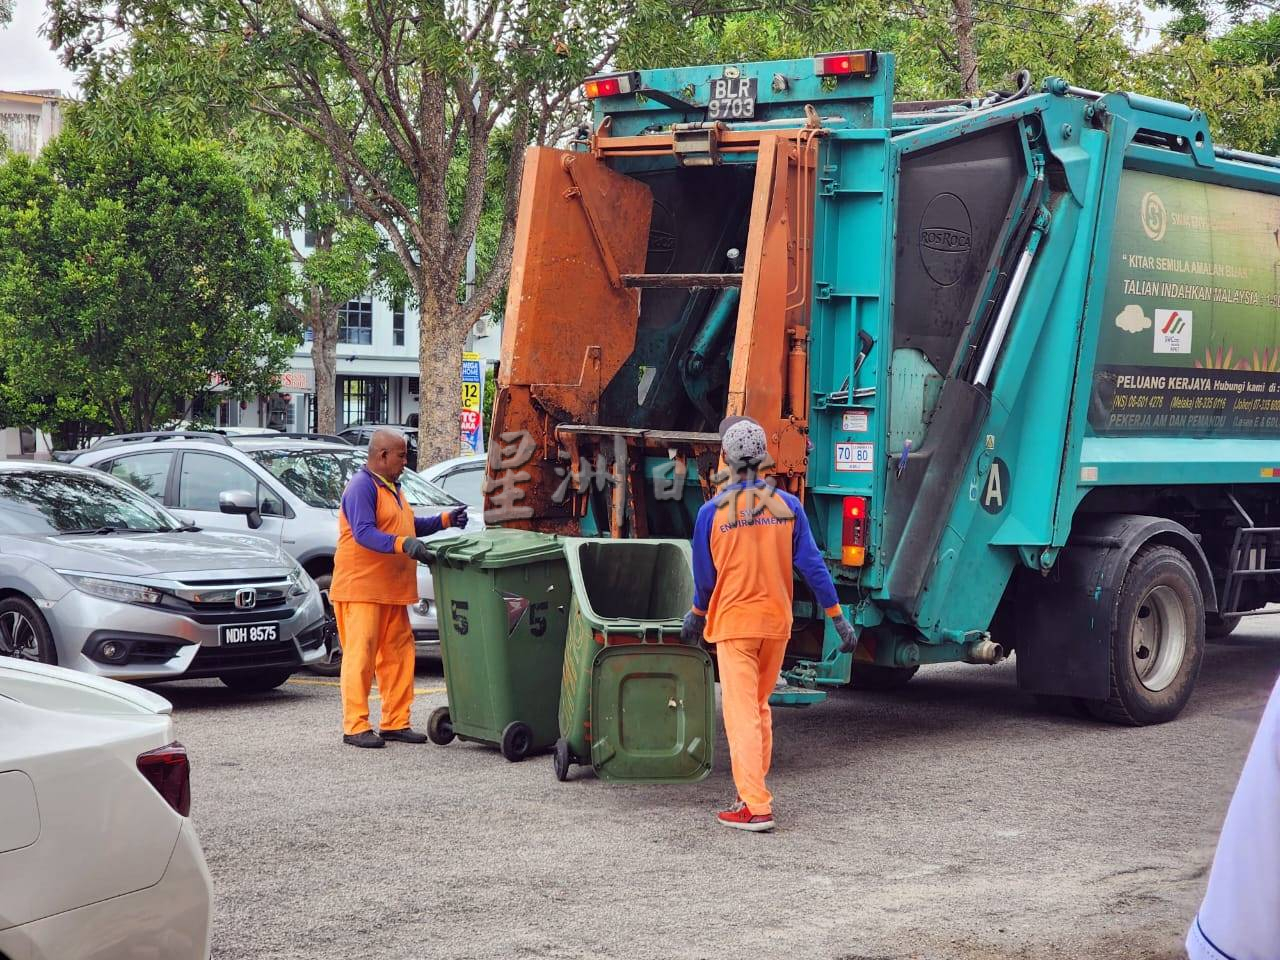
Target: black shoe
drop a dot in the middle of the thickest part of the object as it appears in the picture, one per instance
(404, 735)
(366, 739)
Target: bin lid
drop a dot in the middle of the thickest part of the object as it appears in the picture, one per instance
(630, 585)
(497, 547)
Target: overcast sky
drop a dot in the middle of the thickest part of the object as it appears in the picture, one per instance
(27, 63)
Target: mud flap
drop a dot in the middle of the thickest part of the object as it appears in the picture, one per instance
(1063, 623)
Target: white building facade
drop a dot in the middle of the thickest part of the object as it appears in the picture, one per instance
(29, 119)
(377, 370)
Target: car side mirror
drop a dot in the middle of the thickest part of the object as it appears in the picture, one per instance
(242, 502)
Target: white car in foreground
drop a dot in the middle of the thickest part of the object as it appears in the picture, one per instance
(98, 860)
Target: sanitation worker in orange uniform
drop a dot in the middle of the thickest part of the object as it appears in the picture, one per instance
(375, 578)
(746, 542)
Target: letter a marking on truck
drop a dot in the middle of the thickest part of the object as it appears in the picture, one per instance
(996, 492)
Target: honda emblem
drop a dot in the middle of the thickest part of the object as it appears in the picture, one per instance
(245, 599)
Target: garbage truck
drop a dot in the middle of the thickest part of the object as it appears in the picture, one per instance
(1019, 356)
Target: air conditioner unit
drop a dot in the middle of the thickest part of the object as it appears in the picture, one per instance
(481, 328)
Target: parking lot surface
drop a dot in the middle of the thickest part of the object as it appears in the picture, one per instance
(951, 819)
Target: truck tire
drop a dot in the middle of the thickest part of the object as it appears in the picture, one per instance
(872, 676)
(1157, 640)
(1216, 626)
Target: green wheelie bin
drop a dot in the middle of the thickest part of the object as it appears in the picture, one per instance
(636, 703)
(502, 598)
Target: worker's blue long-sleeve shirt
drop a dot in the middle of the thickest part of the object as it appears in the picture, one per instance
(360, 505)
(747, 541)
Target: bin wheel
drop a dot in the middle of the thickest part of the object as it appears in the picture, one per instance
(439, 727)
(563, 758)
(516, 740)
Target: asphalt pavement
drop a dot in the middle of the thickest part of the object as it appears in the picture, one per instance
(951, 819)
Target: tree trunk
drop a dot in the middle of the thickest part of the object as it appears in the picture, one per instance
(323, 321)
(966, 51)
(440, 385)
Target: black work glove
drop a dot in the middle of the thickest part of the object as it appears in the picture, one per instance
(694, 624)
(457, 517)
(848, 637)
(413, 547)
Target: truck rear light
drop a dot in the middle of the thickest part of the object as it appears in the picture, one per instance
(168, 770)
(853, 541)
(610, 85)
(856, 63)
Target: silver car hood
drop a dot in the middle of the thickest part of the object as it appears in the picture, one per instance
(153, 554)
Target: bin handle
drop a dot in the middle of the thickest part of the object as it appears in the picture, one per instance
(445, 550)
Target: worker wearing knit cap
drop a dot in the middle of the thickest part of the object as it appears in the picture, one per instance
(746, 542)
(375, 578)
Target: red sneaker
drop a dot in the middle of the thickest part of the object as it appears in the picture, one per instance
(740, 817)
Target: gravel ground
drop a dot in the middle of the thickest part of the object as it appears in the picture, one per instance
(951, 819)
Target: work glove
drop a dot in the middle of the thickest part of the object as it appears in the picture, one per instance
(848, 637)
(413, 547)
(457, 517)
(694, 624)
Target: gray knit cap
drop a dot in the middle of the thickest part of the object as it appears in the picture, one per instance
(743, 442)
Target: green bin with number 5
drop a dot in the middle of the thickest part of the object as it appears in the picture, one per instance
(502, 601)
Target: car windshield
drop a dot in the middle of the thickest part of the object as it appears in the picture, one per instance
(318, 477)
(53, 502)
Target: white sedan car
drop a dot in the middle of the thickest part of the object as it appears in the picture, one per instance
(98, 860)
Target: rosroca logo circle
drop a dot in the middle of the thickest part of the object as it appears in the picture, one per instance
(946, 235)
(1154, 218)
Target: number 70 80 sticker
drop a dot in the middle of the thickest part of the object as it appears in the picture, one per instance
(855, 457)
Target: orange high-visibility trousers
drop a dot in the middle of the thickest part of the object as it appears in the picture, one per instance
(376, 639)
(748, 671)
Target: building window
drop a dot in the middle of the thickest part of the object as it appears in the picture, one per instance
(397, 323)
(364, 400)
(310, 237)
(355, 322)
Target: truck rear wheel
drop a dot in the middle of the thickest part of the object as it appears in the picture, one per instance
(1157, 640)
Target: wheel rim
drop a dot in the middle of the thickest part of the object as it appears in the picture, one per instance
(332, 645)
(1158, 642)
(18, 637)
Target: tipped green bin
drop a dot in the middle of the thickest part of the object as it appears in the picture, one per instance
(635, 703)
(503, 600)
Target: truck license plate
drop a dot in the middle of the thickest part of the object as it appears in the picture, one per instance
(732, 98)
(250, 633)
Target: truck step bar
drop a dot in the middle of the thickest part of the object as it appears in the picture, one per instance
(682, 280)
(1248, 558)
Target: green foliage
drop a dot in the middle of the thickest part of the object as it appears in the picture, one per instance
(130, 279)
(1100, 45)
(490, 392)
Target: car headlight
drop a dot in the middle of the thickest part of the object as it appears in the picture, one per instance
(300, 581)
(120, 590)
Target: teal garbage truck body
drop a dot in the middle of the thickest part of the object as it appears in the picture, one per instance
(1020, 356)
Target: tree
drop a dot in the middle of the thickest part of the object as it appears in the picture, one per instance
(301, 193)
(411, 99)
(1100, 45)
(132, 280)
